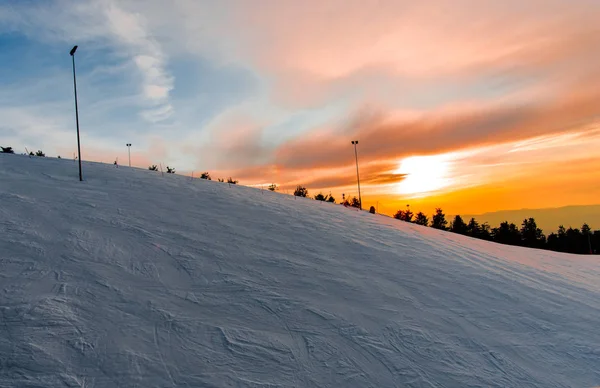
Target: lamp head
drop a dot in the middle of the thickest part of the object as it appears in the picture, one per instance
(72, 52)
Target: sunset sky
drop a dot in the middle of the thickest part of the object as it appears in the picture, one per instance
(472, 106)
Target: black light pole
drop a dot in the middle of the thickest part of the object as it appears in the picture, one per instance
(355, 142)
(129, 150)
(72, 53)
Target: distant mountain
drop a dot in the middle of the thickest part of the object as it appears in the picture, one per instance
(547, 219)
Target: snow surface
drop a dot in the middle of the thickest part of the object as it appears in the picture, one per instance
(133, 279)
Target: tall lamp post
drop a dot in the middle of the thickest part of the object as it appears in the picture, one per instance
(355, 142)
(72, 53)
(129, 151)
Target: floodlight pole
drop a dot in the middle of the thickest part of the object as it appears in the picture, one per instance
(129, 151)
(355, 142)
(72, 53)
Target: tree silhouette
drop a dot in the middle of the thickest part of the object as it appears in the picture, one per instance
(458, 225)
(421, 219)
(205, 175)
(301, 191)
(531, 235)
(595, 241)
(154, 167)
(220, 179)
(7, 150)
(408, 214)
(320, 197)
(485, 231)
(232, 181)
(40, 154)
(273, 187)
(507, 234)
(354, 202)
(586, 232)
(473, 229)
(331, 199)
(404, 215)
(552, 242)
(170, 170)
(574, 241)
(439, 220)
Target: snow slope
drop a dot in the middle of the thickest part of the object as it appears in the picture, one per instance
(132, 279)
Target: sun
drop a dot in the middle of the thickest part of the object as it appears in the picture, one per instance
(424, 174)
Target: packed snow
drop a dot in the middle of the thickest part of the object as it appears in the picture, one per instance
(136, 279)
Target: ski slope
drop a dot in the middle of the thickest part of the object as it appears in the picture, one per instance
(133, 279)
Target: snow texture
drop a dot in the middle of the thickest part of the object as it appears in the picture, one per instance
(133, 279)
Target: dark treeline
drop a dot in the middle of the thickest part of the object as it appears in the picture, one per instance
(571, 240)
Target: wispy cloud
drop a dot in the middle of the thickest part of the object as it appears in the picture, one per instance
(274, 92)
(129, 30)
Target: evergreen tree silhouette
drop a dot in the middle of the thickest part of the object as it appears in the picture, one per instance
(421, 219)
(531, 235)
(439, 220)
(301, 191)
(458, 225)
(586, 232)
(320, 197)
(485, 231)
(473, 229)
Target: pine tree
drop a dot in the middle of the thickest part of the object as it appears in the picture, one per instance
(439, 220)
(320, 197)
(421, 219)
(586, 232)
(458, 225)
(531, 235)
(473, 228)
(301, 191)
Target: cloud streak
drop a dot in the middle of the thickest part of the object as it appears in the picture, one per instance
(500, 84)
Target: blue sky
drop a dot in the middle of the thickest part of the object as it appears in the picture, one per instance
(135, 84)
(274, 91)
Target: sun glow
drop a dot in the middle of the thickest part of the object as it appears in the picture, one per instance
(424, 174)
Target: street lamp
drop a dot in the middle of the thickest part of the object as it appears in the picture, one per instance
(355, 142)
(72, 53)
(129, 150)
